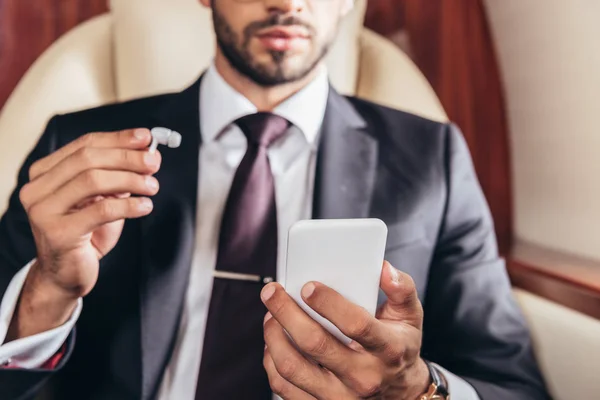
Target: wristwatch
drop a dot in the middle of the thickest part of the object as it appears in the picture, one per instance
(438, 389)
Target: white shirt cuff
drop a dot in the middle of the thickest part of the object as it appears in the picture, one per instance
(33, 351)
(458, 388)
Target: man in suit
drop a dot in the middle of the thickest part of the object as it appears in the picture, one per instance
(176, 298)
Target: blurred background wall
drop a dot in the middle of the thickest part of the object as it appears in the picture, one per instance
(550, 60)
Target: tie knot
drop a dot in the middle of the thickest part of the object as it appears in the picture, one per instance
(263, 128)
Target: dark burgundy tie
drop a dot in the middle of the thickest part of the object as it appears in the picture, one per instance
(231, 366)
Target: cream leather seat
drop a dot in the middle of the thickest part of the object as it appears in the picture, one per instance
(144, 47)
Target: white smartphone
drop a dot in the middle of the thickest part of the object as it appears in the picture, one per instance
(344, 254)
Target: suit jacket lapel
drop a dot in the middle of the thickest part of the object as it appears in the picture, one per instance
(168, 237)
(346, 163)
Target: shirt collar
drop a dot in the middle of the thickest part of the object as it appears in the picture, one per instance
(220, 105)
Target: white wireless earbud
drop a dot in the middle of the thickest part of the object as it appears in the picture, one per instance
(165, 137)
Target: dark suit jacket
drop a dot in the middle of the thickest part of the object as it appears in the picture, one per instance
(414, 174)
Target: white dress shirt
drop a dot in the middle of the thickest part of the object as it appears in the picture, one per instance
(292, 160)
(223, 146)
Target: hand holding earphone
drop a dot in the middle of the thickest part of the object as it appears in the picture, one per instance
(77, 201)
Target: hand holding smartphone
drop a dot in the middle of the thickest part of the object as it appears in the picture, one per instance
(344, 254)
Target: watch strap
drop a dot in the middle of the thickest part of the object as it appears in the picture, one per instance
(437, 379)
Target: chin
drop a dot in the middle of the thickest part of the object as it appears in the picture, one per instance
(269, 68)
(285, 73)
(271, 57)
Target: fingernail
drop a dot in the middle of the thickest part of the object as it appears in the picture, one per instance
(394, 274)
(308, 290)
(152, 183)
(145, 204)
(267, 292)
(139, 134)
(267, 317)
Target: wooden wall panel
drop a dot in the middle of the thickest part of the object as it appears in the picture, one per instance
(451, 43)
(28, 27)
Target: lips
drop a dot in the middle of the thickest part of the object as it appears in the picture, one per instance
(283, 38)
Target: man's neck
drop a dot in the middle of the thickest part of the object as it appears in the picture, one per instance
(264, 98)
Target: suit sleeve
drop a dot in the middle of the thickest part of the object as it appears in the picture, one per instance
(17, 248)
(473, 326)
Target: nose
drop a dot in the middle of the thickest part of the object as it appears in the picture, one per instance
(285, 6)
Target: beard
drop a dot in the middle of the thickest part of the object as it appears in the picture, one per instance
(275, 73)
